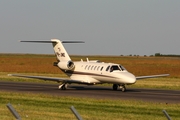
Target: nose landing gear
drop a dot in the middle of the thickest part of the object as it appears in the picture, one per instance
(122, 87)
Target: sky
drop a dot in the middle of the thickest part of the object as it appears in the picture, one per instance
(108, 27)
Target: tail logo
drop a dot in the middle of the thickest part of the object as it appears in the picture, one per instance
(62, 54)
(59, 54)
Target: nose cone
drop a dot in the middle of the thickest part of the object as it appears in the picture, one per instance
(132, 79)
(129, 78)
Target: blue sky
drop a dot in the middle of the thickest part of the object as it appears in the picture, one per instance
(108, 27)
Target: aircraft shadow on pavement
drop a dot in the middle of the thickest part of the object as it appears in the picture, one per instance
(99, 88)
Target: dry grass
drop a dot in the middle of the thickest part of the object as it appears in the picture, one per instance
(28, 64)
(44, 64)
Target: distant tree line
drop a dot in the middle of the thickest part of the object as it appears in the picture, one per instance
(156, 55)
(168, 55)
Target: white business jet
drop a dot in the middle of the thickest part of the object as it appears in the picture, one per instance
(87, 72)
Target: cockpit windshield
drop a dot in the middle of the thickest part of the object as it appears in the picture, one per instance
(117, 68)
(122, 68)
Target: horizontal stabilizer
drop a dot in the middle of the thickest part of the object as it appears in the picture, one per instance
(58, 47)
(39, 41)
(73, 42)
(54, 41)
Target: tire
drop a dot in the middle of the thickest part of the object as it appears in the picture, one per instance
(115, 86)
(64, 87)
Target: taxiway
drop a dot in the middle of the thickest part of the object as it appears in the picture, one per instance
(98, 92)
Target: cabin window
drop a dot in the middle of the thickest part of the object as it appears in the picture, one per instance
(98, 68)
(107, 69)
(92, 67)
(101, 68)
(89, 67)
(95, 67)
(86, 67)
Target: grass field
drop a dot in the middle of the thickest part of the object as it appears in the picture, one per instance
(47, 107)
(44, 64)
(40, 106)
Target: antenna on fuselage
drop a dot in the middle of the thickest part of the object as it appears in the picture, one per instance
(87, 59)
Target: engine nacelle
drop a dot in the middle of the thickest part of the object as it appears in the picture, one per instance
(66, 65)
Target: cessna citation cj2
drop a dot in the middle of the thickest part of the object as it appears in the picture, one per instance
(87, 72)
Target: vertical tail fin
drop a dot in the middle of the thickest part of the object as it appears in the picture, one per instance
(60, 51)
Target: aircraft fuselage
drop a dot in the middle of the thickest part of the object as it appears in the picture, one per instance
(100, 72)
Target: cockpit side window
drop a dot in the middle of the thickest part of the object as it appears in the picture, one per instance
(114, 67)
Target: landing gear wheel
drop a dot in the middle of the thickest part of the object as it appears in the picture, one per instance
(123, 89)
(115, 86)
(64, 87)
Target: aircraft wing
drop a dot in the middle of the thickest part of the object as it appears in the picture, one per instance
(65, 80)
(151, 76)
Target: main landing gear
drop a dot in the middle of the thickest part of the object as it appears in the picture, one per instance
(63, 86)
(122, 87)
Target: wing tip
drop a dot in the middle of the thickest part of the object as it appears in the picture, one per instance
(9, 75)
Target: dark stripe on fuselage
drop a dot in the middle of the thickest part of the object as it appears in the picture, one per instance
(87, 73)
